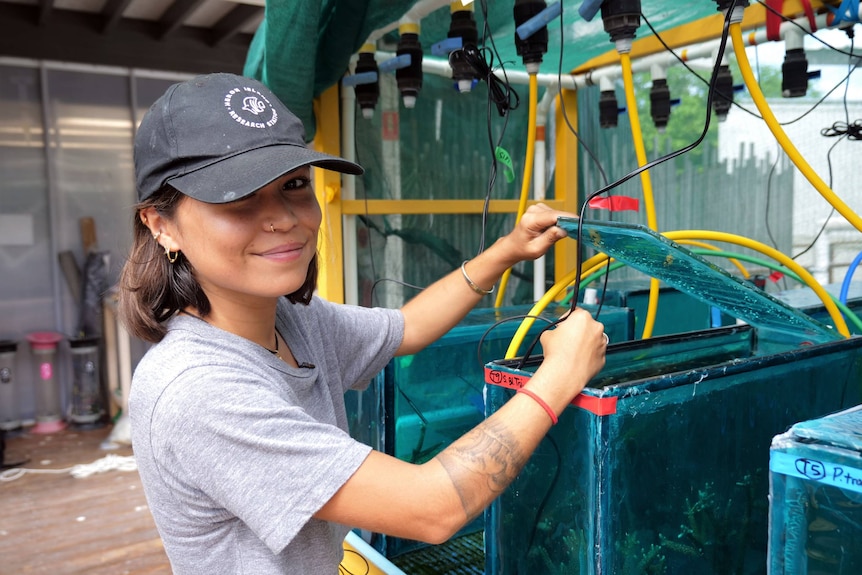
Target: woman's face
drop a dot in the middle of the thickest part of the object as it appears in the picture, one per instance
(233, 250)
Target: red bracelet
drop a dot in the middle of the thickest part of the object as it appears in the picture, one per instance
(541, 402)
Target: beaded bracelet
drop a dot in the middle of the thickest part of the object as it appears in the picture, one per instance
(542, 403)
(472, 285)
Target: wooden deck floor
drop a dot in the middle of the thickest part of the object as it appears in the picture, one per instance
(57, 524)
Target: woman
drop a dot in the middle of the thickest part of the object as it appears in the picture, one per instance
(237, 413)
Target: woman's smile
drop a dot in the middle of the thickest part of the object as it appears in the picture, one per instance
(284, 253)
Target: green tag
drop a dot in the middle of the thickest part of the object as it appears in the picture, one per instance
(504, 158)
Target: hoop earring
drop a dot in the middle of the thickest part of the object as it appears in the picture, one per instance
(168, 253)
(271, 228)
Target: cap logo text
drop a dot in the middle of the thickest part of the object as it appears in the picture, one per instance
(250, 108)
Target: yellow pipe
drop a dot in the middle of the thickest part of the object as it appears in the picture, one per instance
(778, 132)
(705, 245)
(596, 261)
(592, 264)
(537, 308)
(788, 262)
(646, 182)
(687, 236)
(528, 173)
(383, 207)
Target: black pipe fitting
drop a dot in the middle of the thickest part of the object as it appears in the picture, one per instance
(533, 48)
(609, 109)
(367, 95)
(621, 18)
(409, 78)
(659, 99)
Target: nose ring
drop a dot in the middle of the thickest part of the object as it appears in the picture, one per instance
(271, 228)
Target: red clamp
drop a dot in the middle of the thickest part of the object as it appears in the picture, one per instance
(809, 12)
(774, 18)
(615, 204)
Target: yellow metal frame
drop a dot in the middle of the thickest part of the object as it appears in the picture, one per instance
(327, 186)
(328, 189)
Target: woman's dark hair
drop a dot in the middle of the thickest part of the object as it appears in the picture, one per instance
(152, 289)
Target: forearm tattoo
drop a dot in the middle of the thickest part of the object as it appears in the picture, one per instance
(482, 464)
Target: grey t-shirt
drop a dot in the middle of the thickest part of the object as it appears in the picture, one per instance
(237, 450)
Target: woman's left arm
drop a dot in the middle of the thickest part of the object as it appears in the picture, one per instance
(440, 306)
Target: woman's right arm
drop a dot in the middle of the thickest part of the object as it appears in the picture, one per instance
(432, 501)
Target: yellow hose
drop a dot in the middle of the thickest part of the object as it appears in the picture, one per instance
(600, 264)
(788, 262)
(528, 173)
(595, 263)
(705, 245)
(778, 132)
(543, 302)
(537, 308)
(646, 182)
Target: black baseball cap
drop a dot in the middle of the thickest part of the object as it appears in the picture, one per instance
(220, 137)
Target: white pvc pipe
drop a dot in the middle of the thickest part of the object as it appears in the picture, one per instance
(415, 14)
(348, 192)
(539, 183)
(612, 72)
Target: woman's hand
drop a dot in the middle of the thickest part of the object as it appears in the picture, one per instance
(534, 235)
(573, 352)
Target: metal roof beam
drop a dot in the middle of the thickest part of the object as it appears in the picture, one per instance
(45, 9)
(112, 13)
(76, 38)
(234, 21)
(174, 16)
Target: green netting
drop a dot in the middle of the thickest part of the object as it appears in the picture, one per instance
(302, 48)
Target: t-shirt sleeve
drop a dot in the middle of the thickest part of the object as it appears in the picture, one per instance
(359, 341)
(252, 454)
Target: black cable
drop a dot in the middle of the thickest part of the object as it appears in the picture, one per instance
(694, 72)
(501, 95)
(497, 324)
(563, 105)
(647, 166)
(843, 130)
(769, 195)
(850, 131)
(593, 157)
(500, 92)
(738, 105)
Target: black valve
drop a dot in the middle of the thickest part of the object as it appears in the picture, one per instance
(794, 70)
(409, 78)
(463, 26)
(367, 94)
(726, 4)
(659, 99)
(722, 99)
(533, 48)
(609, 109)
(621, 18)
